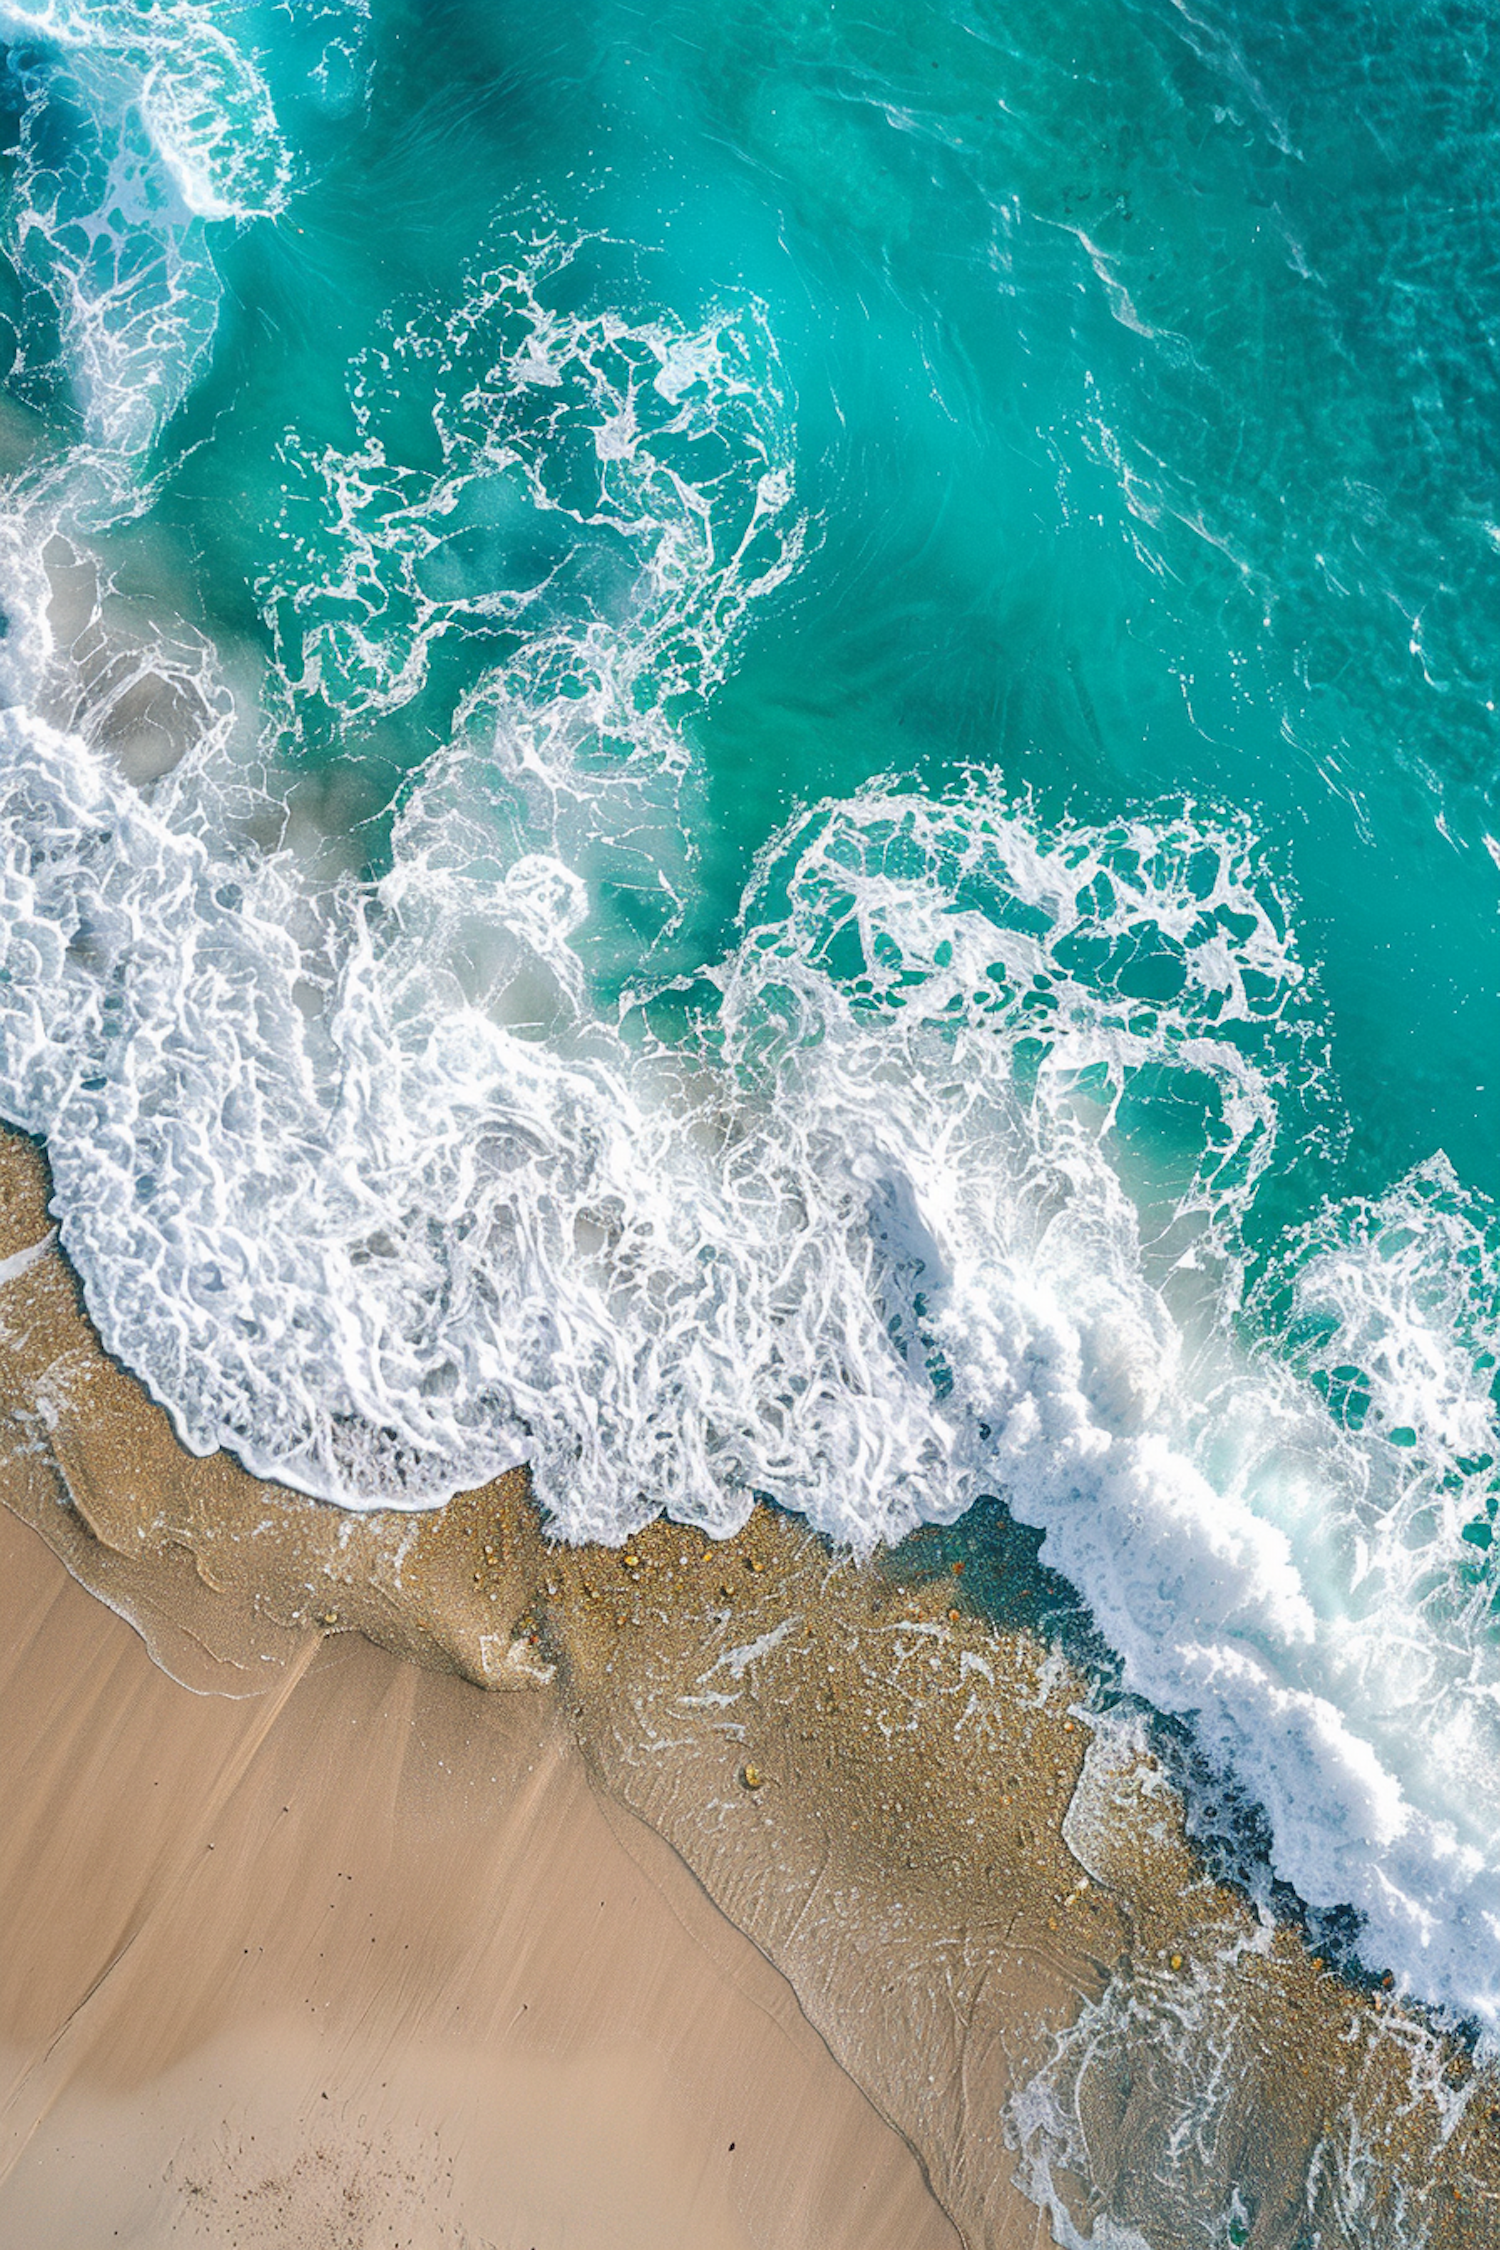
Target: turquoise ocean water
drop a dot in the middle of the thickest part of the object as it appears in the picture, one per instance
(753, 750)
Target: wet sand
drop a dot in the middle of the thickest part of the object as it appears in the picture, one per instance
(885, 1780)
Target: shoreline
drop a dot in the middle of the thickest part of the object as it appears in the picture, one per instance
(976, 1884)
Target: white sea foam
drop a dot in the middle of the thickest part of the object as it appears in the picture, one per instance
(168, 125)
(369, 1183)
(200, 97)
(1155, 2094)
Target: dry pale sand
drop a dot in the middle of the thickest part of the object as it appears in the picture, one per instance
(365, 1960)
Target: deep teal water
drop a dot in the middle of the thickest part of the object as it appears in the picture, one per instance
(1249, 555)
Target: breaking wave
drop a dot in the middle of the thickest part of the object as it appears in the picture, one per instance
(941, 1179)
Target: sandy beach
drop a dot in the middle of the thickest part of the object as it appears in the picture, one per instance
(421, 1880)
(749, 1203)
(366, 1960)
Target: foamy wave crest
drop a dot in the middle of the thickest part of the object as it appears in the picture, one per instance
(201, 99)
(136, 126)
(836, 1222)
(375, 1183)
(768, 1253)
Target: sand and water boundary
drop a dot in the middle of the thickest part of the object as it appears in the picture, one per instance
(903, 1896)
